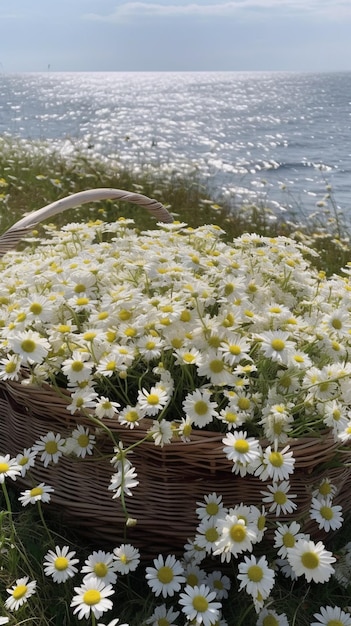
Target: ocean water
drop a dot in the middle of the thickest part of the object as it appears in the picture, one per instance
(273, 137)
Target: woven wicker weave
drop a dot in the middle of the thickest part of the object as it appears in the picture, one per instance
(173, 478)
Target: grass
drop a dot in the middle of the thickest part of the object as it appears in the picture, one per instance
(31, 178)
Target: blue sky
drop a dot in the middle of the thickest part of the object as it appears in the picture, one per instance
(158, 35)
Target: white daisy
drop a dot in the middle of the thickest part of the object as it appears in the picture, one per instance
(51, 447)
(78, 367)
(199, 605)
(198, 407)
(40, 493)
(9, 468)
(127, 558)
(215, 368)
(277, 496)
(285, 536)
(255, 576)
(218, 582)
(60, 564)
(153, 401)
(327, 515)
(211, 507)
(161, 432)
(275, 345)
(26, 460)
(130, 416)
(194, 575)
(102, 565)
(207, 534)
(235, 537)
(19, 593)
(311, 560)
(276, 465)
(81, 441)
(166, 577)
(106, 408)
(268, 617)
(162, 616)
(92, 597)
(244, 451)
(30, 346)
(330, 616)
(10, 367)
(124, 480)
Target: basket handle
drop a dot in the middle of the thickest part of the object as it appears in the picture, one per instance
(15, 233)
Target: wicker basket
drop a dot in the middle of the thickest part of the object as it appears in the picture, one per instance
(174, 478)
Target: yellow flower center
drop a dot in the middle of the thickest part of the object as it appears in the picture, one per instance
(298, 358)
(28, 345)
(278, 345)
(83, 440)
(216, 366)
(10, 367)
(19, 592)
(100, 569)
(276, 459)
(201, 407)
(153, 399)
(23, 461)
(188, 357)
(165, 574)
(36, 308)
(185, 316)
(336, 323)
(241, 446)
(89, 336)
(51, 447)
(124, 315)
(163, 621)
(270, 620)
(280, 497)
(80, 288)
(288, 540)
(235, 349)
(200, 604)
(91, 597)
(63, 328)
(211, 535)
(310, 560)
(212, 508)
(231, 417)
(61, 563)
(36, 491)
(77, 366)
(238, 532)
(82, 301)
(150, 345)
(4, 467)
(244, 404)
(255, 573)
(325, 488)
(326, 512)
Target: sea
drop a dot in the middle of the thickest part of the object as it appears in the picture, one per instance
(278, 138)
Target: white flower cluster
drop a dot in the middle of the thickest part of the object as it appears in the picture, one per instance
(185, 330)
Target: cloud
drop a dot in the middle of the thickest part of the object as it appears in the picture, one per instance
(222, 9)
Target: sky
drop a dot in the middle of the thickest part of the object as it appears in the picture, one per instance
(175, 35)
